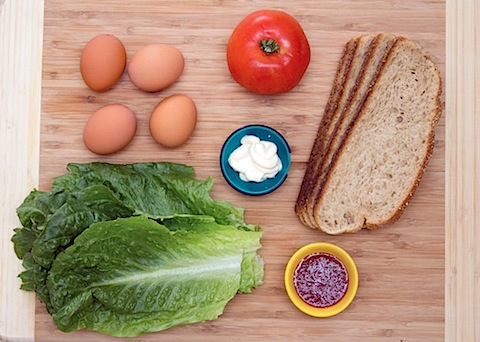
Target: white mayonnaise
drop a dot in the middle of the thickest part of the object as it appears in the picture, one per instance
(255, 160)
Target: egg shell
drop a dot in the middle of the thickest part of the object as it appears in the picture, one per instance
(110, 129)
(173, 120)
(155, 67)
(103, 62)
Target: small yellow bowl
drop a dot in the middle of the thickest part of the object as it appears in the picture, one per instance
(344, 257)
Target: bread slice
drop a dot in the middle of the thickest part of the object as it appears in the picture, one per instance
(374, 60)
(384, 152)
(363, 47)
(361, 58)
(330, 108)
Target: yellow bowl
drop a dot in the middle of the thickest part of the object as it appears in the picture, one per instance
(344, 257)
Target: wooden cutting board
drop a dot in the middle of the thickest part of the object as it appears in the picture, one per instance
(401, 288)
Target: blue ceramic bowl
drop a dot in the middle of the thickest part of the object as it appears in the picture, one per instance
(233, 177)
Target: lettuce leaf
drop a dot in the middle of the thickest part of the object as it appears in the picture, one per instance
(133, 275)
(252, 263)
(35, 210)
(39, 247)
(165, 194)
(158, 190)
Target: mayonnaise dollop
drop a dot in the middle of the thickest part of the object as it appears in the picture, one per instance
(255, 160)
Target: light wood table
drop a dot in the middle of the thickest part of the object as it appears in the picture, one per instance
(21, 24)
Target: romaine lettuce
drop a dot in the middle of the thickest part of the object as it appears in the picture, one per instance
(163, 199)
(135, 270)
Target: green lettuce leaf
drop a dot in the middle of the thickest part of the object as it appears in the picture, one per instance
(91, 193)
(252, 263)
(35, 210)
(38, 206)
(82, 208)
(23, 240)
(133, 275)
(39, 247)
(158, 190)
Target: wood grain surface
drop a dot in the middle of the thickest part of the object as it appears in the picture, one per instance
(402, 267)
(21, 41)
(462, 276)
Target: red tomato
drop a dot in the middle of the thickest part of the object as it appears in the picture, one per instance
(268, 52)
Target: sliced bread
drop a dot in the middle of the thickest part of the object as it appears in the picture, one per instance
(363, 46)
(372, 65)
(330, 108)
(384, 152)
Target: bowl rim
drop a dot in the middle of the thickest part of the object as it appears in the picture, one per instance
(345, 258)
(284, 173)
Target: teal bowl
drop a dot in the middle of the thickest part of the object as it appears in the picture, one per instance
(255, 188)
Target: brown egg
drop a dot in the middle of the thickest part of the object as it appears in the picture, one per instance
(173, 120)
(155, 67)
(102, 62)
(110, 129)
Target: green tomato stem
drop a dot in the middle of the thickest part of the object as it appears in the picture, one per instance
(269, 46)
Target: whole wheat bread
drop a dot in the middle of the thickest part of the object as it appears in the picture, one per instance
(373, 63)
(317, 150)
(360, 59)
(363, 46)
(384, 154)
(371, 150)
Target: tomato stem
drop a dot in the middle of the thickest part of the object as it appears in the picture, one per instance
(269, 46)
